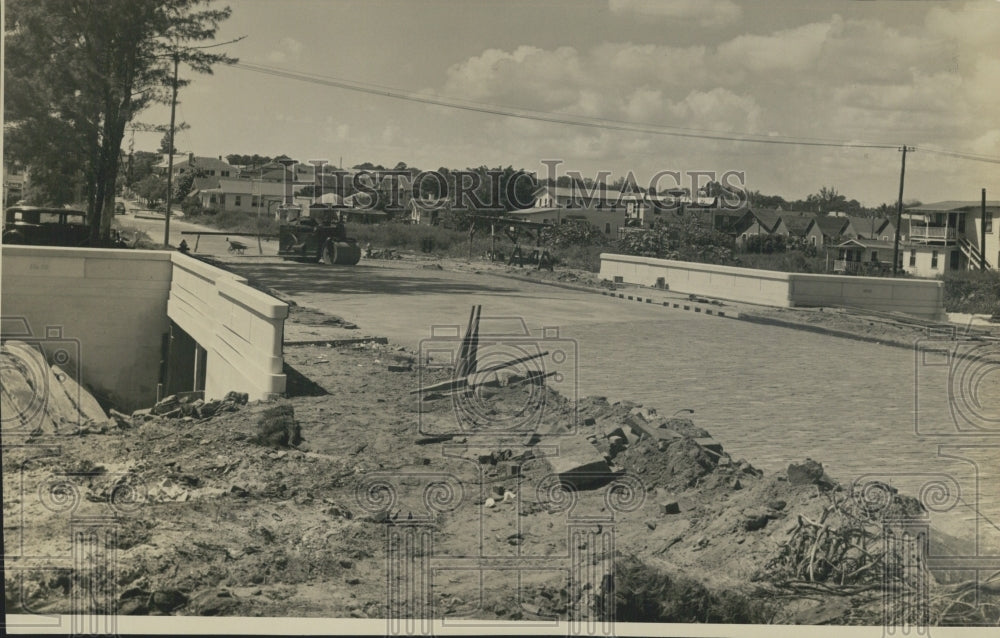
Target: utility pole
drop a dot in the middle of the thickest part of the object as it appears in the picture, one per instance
(170, 151)
(982, 234)
(899, 211)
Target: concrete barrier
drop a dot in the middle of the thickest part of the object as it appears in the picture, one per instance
(113, 309)
(108, 306)
(918, 297)
(240, 328)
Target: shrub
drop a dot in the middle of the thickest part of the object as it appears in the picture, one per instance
(972, 291)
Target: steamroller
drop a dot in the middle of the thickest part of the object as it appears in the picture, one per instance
(318, 237)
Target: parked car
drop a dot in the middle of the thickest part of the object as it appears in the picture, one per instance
(119, 208)
(38, 226)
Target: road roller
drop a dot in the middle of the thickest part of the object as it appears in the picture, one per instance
(318, 237)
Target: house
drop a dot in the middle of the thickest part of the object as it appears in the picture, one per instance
(205, 166)
(859, 256)
(960, 229)
(824, 230)
(606, 220)
(798, 224)
(426, 210)
(868, 228)
(602, 198)
(243, 195)
(760, 221)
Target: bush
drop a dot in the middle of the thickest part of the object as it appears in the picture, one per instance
(972, 291)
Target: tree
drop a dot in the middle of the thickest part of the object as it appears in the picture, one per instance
(165, 147)
(152, 188)
(78, 71)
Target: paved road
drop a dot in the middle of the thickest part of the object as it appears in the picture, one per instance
(769, 394)
(208, 244)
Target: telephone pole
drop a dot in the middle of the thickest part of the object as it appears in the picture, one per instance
(899, 211)
(170, 160)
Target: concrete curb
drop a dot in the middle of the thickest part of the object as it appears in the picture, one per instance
(677, 305)
(337, 342)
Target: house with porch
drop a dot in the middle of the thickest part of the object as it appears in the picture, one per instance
(958, 229)
(860, 256)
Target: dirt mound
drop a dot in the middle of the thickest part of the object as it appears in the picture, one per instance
(674, 465)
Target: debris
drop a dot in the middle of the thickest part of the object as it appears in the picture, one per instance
(670, 507)
(167, 600)
(805, 473)
(489, 503)
(579, 464)
(400, 368)
(277, 427)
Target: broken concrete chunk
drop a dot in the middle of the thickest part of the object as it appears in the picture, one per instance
(805, 473)
(670, 507)
(579, 464)
(165, 405)
(710, 444)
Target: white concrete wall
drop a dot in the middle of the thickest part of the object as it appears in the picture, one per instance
(241, 328)
(116, 304)
(917, 297)
(112, 304)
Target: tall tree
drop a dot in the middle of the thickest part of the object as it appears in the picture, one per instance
(78, 71)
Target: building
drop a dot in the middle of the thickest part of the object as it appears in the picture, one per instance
(869, 228)
(606, 220)
(825, 230)
(760, 221)
(959, 229)
(798, 224)
(426, 210)
(578, 197)
(204, 166)
(860, 256)
(243, 195)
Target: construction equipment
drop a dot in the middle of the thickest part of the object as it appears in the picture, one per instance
(319, 237)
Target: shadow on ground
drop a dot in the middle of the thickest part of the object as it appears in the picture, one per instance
(293, 278)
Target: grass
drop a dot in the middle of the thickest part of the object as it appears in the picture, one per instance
(788, 261)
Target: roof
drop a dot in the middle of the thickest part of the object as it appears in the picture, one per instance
(797, 222)
(952, 205)
(606, 193)
(204, 163)
(236, 186)
(867, 225)
(831, 226)
(767, 217)
(868, 243)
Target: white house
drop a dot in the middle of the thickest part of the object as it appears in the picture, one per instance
(958, 229)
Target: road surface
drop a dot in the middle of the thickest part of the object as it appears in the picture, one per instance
(772, 395)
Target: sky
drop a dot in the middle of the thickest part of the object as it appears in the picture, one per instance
(881, 72)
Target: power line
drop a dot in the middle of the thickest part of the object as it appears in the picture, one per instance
(585, 121)
(544, 116)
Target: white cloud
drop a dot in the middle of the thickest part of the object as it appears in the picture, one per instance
(794, 49)
(708, 13)
(289, 49)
